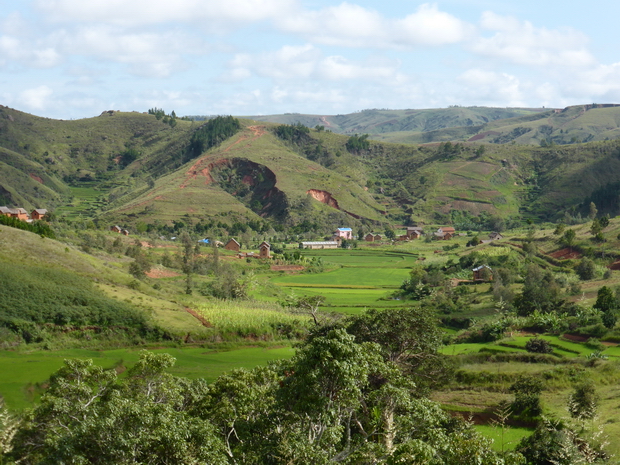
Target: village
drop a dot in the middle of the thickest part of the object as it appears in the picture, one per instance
(23, 215)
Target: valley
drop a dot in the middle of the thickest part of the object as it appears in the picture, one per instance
(401, 327)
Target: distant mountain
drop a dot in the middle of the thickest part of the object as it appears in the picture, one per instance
(532, 126)
(137, 168)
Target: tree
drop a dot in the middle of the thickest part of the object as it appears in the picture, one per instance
(592, 211)
(390, 234)
(527, 391)
(555, 442)
(569, 238)
(89, 416)
(559, 229)
(583, 401)
(408, 337)
(540, 292)
(310, 305)
(586, 269)
(607, 304)
(539, 346)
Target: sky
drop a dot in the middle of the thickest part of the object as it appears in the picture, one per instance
(70, 59)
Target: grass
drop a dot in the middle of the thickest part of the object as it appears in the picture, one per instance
(506, 439)
(29, 371)
(349, 277)
(249, 319)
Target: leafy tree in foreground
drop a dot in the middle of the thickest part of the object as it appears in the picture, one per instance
(408, 337)
(88, 416)
(556, 443)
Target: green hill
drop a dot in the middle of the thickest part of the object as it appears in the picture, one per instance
(136, 168)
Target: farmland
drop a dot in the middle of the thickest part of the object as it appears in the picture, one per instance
(249, 332)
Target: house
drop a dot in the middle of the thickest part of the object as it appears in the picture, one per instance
(264, 250)
(319, 245)
(125, 232)
(6, 211)
(344, 233)
(233, 245)
(495, 236)
(369, 237)
(378, 237)
(116, 229)
(443, 236)
(414, 232)
(446, 229)
(482, 273)
(38, 214)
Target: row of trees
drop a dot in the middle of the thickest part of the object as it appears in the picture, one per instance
(355, 392)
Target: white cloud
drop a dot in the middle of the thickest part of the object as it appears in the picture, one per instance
(491, 88)
(522, 43)
(308, 62)
(429, 26)
(211, 14)
(24, 53)
(351, 25)
(147, 54)
(36, 98)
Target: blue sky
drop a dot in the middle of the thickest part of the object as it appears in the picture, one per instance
(76, 58)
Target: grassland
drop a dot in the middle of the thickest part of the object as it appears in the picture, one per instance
(29, 371)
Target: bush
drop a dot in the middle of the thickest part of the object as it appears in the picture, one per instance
(586, 269)
(527, 391)
(538, 346)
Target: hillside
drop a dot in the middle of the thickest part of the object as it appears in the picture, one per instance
(575, 124)
(135, 168)
(379, 123)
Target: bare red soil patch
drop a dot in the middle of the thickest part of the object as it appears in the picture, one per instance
(160, 273)
(200, 318)
(565, 254)
(575, 337)
(36, 178)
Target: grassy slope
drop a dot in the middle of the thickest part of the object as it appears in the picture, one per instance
(190, 191)
(107, 271)
(380, 122)
(507, 179)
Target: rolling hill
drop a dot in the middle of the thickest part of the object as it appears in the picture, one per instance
(133, 168)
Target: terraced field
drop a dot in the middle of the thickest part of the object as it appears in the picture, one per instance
(360, 279)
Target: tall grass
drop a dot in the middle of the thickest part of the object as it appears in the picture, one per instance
(253, 319)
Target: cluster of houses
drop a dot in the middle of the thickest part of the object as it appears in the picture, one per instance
(22, 214)
(264, 250)
(119, 230)
(339, 235)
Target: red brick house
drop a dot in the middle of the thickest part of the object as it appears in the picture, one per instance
(38, 214)
(264, 250)
(369, 238)
(233, 245)
(116, 229)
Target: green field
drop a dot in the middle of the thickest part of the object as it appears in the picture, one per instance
(366, 279)
(352, 277)
(29, 370)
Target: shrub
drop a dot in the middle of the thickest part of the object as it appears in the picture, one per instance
(586, 269)
(527, 391)
(539, 346)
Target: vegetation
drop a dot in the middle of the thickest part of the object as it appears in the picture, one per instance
(389, 336)
(212, 133)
